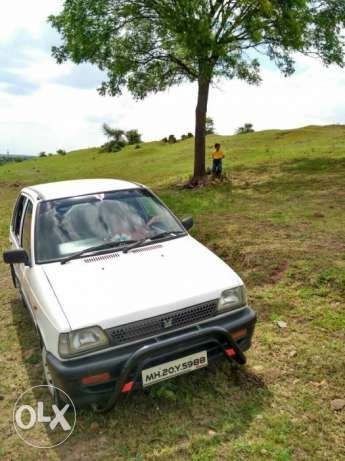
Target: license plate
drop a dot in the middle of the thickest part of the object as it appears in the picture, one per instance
(174, 368)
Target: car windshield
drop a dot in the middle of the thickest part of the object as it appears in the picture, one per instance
(67, 226)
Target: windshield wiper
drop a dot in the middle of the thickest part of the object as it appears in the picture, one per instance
(166, 234)
(103, 246)
(142, 242)
(124, 245)
(137, 244)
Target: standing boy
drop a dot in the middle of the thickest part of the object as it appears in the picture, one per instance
(217, 157)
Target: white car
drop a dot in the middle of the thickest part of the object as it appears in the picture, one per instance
(120, 294)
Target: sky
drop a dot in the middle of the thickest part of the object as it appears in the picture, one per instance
(45, 106)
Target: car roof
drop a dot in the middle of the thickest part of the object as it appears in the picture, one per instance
(64, 189)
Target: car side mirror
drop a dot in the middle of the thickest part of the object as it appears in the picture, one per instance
(188, 223)
(19, 256)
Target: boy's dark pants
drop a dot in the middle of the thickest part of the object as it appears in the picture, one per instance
(217, 166)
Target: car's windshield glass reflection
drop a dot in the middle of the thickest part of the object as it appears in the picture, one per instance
(67, 226)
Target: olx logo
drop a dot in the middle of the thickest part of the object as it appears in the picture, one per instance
(38, 416)
(39, 422)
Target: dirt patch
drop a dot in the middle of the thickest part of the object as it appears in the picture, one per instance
(206, 181)
(278, 271)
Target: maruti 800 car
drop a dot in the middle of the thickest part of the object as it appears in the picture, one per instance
(121, 296)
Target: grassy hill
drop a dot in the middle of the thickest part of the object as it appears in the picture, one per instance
(280, 224)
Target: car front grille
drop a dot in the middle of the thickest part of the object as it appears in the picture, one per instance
(162, 323)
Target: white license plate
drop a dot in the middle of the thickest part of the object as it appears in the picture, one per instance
(174, 368)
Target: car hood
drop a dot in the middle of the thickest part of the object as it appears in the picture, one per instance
(118, 288)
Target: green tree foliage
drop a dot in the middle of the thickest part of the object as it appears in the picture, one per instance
(246, 128)
(209, 125)
(148, 45)
(117, 140)
(186, 136)
(172, 139)
(113, 133)
(112, 146)
(61, 152)
(133, 137)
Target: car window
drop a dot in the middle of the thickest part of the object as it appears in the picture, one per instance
(18, 214)
(26, 232)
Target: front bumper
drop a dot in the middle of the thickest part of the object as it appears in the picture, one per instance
(124, 364)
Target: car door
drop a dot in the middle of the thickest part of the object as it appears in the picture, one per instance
(26, 229)
(15, 231)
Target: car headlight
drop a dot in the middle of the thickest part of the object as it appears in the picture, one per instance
(81, 341)
(232, 299)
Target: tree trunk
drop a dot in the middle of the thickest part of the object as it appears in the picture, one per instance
(200, 129)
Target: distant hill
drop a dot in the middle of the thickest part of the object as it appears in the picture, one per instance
(5, 158)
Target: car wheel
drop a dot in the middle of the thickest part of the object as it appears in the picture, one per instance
(48, 379)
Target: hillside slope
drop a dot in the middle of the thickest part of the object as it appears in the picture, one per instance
(280, 224)
(157, 163)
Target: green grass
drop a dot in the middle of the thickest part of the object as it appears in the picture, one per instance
(280, 224)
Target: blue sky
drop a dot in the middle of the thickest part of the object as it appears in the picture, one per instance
(45, 106)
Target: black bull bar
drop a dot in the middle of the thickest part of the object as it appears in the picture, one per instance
(214, 334)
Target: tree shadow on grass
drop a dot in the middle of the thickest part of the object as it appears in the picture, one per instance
(176, 415)
(301, 177)
(314, 165)
(295, 175)
(296, 165)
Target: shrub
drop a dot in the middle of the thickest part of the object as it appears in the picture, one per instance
(138, 146)
(42, 154)
(114, 134)
(165, 140)
(172, 139)
(187, 136)
(246, 128)
(118, 138)
(133, 137)
(112, 146)
(209, 125)
(61, 152)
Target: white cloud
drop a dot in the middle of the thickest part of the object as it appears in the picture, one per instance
(62, 109)
(23, 14)
(314, 95)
